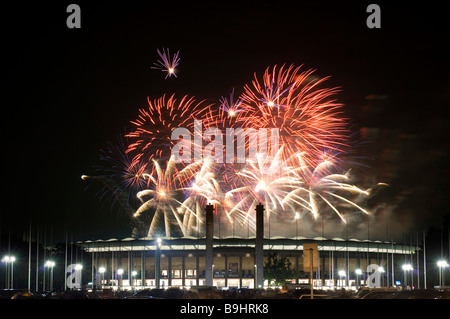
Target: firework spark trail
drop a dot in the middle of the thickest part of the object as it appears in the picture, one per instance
(320, 183)
(121, 179)
(200, 186)
(121, 167)
(151, 137)
(162, 200)
(308, 119)
(286, 190)
(118, 196)
(229, 108)
(167, 63)
(203, 188)
(265, 180)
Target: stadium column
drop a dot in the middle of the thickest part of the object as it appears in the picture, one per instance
(259, 253)
(209, 245)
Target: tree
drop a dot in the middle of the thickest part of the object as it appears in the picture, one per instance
(278, 270)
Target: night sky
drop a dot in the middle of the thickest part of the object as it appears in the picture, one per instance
(67, 92)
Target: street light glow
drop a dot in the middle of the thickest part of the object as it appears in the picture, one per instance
(442, 264)
(407, 267)
(8, 259)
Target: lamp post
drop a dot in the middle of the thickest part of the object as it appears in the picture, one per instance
(406, 267)
(12, 260)
(120, 273)
(50, 264)
(358, 281)
(78, 268)
(102, 270)
(381, 270)
(341, 274)
(441, 264)
(133, 275)
(9, 276)
(5, 260)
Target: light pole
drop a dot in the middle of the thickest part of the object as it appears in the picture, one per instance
(133, 275)
(381, 270)
(341, 274)
(358, 281)
(5, 260)
(9, 276)
(120, 273)
(441, 264)
(12, 260)
(50, 264)
(406, 267)
(102, 272)
(78, 268)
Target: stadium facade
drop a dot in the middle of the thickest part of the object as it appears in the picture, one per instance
(237, 262)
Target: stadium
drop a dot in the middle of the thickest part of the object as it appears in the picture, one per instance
(232, 262)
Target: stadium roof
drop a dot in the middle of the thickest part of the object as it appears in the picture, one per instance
(272, 243)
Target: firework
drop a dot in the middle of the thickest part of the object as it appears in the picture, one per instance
(160, 200)
(230, 108)
(262, 180)
(288, 190)
(121, 179)
(178, 197)
(201, 187)
(167, 63)
(300, 174)
(151, 134)
(322, 184)
(308, 118)
(119, 166)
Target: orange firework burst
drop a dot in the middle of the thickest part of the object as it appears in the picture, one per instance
(308, 118)
(151, 136)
